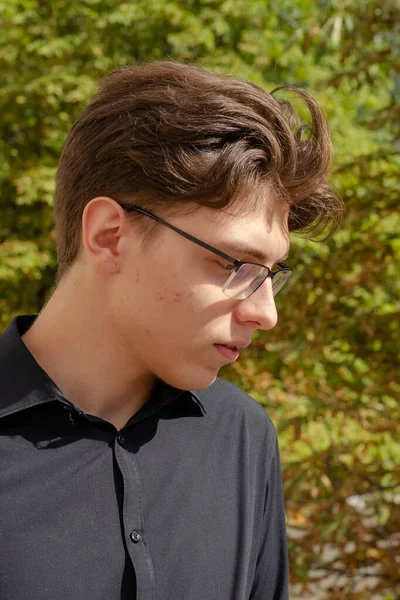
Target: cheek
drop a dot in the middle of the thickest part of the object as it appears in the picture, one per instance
(177, 297)
(169, 289)
(164, 299)
(174, 298)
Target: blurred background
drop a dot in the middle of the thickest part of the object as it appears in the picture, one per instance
(328, 374)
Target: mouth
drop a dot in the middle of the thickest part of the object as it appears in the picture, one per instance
(229, 352)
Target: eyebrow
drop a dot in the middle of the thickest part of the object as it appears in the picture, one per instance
(241, 247)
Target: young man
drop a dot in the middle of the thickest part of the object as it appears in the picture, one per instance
(128, 469)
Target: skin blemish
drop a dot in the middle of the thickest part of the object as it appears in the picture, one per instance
(178, 297)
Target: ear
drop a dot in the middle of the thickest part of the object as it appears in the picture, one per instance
(104, 228)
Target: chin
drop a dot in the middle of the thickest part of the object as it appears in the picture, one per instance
(199, 380)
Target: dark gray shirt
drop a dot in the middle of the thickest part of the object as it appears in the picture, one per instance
(184, 503)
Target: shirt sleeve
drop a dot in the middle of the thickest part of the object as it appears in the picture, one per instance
(272, 570)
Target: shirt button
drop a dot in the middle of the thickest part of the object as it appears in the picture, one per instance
(135, 537)
(120, 439)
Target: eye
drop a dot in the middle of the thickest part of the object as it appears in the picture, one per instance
(227, 267)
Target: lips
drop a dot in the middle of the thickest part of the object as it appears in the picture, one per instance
(229, 353)
(235, 344)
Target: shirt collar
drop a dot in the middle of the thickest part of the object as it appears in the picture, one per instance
(25, 384)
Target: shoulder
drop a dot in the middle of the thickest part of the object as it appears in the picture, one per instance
(224, 395)
(225, 401)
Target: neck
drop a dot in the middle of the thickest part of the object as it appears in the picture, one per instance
(79, 350)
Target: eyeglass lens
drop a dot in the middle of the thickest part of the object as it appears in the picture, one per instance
(249, 277)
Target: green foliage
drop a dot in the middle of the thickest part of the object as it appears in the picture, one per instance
(328, 373)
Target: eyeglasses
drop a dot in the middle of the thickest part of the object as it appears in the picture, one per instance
(245, 278)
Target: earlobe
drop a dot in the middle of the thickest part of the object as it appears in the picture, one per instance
(115, 267)
(111, 267)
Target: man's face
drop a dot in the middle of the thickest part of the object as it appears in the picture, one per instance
(168, 306)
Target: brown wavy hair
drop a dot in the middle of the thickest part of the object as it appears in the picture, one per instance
(171, 136)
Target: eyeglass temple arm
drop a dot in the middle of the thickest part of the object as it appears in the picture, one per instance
(131, 207)
(235, 261)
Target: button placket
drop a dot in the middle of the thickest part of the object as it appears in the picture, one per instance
(133, 518)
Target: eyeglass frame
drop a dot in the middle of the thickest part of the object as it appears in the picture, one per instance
(238, 263)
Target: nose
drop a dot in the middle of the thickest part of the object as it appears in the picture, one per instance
(259, 307)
